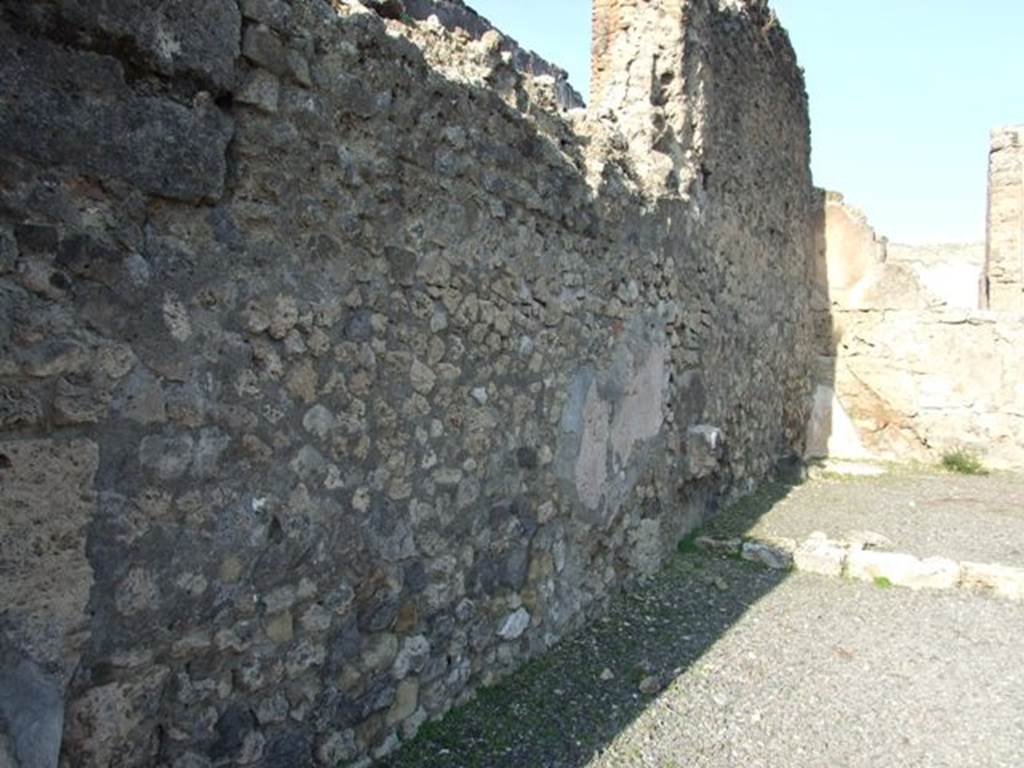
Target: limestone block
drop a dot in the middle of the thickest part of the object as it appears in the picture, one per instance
(903, 570)
(935, 573)
(817, 554)
(1001, 580)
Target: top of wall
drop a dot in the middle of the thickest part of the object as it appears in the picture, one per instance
(1007, 135)
(455, 14)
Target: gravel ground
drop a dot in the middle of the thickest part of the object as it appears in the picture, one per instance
(763, 669)
(922, 513)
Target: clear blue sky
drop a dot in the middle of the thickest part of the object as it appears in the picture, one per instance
(903, 94)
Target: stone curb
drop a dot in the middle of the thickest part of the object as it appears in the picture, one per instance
(859, 560)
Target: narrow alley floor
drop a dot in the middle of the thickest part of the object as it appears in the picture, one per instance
(719, 662)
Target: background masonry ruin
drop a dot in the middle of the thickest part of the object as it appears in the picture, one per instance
(342, 370)
(1004, 259)
(919, 347)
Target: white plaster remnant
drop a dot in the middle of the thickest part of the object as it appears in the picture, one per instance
(638, 417)
(592, 463)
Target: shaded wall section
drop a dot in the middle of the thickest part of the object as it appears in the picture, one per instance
(358, 372)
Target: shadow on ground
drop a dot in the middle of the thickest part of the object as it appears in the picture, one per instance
(564, 709)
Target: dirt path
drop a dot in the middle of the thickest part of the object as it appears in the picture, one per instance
(923, 513)
(719, 662)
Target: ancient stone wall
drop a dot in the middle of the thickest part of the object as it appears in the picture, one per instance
(911, 366)
(918, 384)
(1005, 256)
(455, 15)
(609, 19)
(341, 372)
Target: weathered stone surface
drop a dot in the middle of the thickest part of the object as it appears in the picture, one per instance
(731, 547)
(514, 625)
(1004, 258)
(31, 715)
(776, 554)
(903, 570)
(853, 250)
(74, 109)
(102, 722)
(456, 15)
(817, 554)
(705, 446)
(391, 364)
(911, 367)
(916, 385)
(1000, 580)
(46, 491)
(188, 38)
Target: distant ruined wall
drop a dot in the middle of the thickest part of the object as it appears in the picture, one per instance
(1005, 258)
(917, 368)
(341, 371)
(609, 19)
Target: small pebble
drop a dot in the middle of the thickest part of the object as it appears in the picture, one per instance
(651, 685)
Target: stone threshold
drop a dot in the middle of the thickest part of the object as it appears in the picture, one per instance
(861, 558)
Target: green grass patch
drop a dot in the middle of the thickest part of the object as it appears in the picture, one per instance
(688, 545)
(963, 462)
(883, 582)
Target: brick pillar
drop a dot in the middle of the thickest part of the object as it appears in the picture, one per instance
(609, 18)
(1005, 251)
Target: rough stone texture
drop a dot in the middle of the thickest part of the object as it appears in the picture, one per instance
(31, 715)
(849, 557)
(781, 670)
(902, 569)
(47, 501)
(187, 39)
(609, 19)
(456, 15)
(910, 368)
(1005, 254)
(776, 554)
(75, 109)
(818, 554)
(1000, 580)
(919, 384)
(384, 366)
